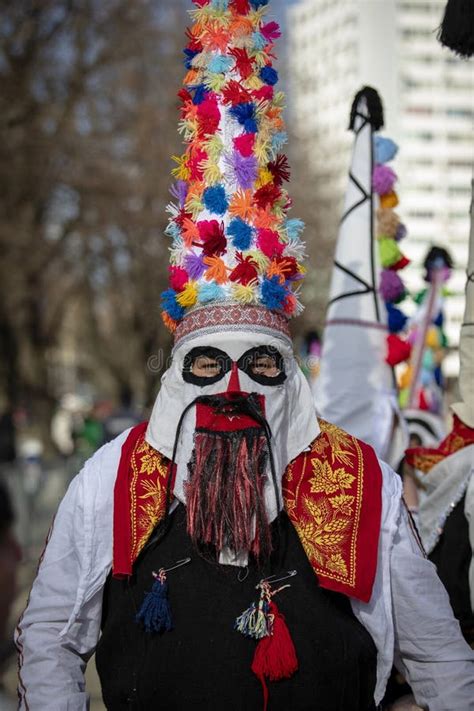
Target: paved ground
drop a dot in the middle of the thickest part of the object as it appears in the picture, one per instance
(33, 524)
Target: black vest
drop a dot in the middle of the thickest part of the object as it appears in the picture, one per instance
(203, 663)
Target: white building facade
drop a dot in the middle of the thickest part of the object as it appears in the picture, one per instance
(337, 46)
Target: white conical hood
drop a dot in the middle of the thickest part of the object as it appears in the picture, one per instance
(465, 408)
(356, 388)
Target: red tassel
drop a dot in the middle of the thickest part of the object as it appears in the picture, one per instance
(275, 656)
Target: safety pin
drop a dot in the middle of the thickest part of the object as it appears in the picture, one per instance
(178, 564)
(270, 579)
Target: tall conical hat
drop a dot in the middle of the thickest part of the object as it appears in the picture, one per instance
(356, 387)
(234, 251)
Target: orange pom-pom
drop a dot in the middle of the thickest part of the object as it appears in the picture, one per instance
(169, 322)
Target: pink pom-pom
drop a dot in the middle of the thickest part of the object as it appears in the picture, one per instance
(244, 144)
(391, 286)
(383, 180)
(178, 278)
(271, 31)
(269, 243)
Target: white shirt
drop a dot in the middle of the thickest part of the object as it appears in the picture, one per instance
(408, 616)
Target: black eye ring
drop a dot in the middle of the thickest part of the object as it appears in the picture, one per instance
(247, 360)
(216, 354)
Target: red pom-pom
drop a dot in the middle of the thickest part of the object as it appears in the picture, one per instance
(184, 95)
(213, 238)
(243, 62)
(245, 272)
(275, 656)
(269, 243)
(194, 43)
(182, 216)
(280, 169)
(194, 164)
(398, 350)
(266, 93)
(178, 278)
(209, 115)
(401, 264)
(234, 93)
(241, 7)
(245, 144)
(267, 195)
(201, 3)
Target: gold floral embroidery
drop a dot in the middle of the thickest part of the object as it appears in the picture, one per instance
(323, 501)
(148, 493)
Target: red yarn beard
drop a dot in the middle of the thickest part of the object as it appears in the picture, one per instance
(225, 500)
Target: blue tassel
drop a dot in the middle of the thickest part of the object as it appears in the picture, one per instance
(170, 304)
(215, 199)
(254, 621)
(200, 93)
(273, 293)
(155, 612)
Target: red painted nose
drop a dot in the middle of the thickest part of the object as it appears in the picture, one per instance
(234, 383)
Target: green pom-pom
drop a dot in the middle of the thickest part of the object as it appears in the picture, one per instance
(389, 252)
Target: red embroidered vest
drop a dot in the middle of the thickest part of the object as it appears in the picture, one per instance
(332, 494)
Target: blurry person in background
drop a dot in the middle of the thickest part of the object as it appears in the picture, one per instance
(124, 417)
(10, 557)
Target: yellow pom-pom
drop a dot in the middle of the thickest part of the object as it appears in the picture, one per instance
(244, 294)
(389, 200)
(406, 377)
(432, 338)
(264, 177)
(188, 296)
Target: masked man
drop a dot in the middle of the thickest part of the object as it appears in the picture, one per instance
(235, 544)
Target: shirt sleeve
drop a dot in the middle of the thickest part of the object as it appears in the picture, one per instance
(52, 664)
(429, 647)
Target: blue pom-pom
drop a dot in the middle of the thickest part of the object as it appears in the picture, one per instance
(396, 319)
(273, 293)
(155, 612)
(200, 94)
(279, 140)
(439, 320)
(294, 228)
(189, 55)
(215, 199)
(243, 112)
(269, 75)
(210, 292)
(241, 234)
(173, 230)
(171, 306)
(220, 64)
(258, 3)
(385, 149)
(259, 41)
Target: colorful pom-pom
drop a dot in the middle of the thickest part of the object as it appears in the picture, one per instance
(401, 232)
(245, 144)
(391, 286)
(389, 252)
(188, 296)
(213, 238)
(273, 293)
(209, 115)
(194, 265)
(241, 234)
(398, 350)
(383, 179)
(244, 169)
(245, 272)
(269, 243)
(220, 64)
(269, 75)
(387, 223)
(294, 227)
(385, 149)
(245, 114)
(396, 319)
(178, 278)
(215, 199)
(210, 292)
(170, 305)
(389, 200)
(271, 31)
